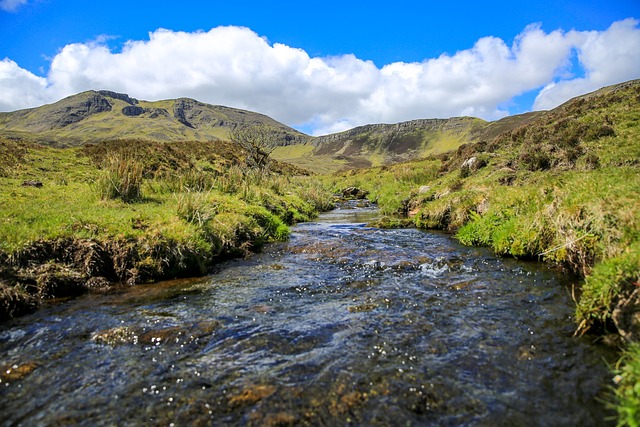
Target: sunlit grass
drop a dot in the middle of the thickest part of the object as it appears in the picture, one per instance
(563, 189)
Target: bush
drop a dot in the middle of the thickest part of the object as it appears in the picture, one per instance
(536, 159)
(121, 179)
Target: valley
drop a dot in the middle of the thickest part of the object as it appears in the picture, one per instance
(100, 191)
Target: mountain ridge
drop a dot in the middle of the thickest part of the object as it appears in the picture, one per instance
(102, 115)
(99, 115)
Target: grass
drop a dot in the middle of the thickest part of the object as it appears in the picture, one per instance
(563, 189)
(129, 215)
(627, 392)
(121, 179)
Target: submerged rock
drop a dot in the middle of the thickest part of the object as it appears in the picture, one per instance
(16, 371)
(251, 395)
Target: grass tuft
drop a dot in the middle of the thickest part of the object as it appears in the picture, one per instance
(121, 179)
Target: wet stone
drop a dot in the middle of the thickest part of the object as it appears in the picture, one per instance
(16, 371)
(251, 395)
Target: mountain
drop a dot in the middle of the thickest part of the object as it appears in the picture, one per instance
(383, 144)
(95, 116)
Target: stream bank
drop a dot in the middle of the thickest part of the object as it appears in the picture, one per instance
(343, 324)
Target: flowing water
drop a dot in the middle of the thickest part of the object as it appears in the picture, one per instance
(344, 324)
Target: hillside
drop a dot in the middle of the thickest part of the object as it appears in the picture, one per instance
(385, 144)
(95, 116)
(562, 188)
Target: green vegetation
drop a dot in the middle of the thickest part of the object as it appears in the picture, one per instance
(135, 211)
(562, 188)
(94, 116)
(627, 392)
(559, 186)
(122, 179)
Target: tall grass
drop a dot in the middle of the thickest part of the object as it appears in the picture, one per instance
(122, 178)
(196, 207)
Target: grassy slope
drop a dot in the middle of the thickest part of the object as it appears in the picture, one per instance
(199, 203)
(158, 123)
(563, 188)
(378, 145)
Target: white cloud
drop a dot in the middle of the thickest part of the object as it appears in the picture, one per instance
(19, 88)
(11, 5)
(234, 66)
(606, 57)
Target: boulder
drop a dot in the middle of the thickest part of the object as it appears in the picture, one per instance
(470, 163)
(354, 193)
(132, 110)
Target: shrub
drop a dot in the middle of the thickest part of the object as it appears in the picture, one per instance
(121, 179)
(536, 159)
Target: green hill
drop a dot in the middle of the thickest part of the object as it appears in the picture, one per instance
(385, 144)
(95, 116)
(562, 187)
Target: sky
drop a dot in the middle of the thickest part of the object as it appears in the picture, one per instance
(321, 66)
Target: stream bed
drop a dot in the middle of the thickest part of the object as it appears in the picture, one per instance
(342, 325)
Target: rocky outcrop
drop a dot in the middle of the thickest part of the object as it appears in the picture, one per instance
(181, 109)
(121, 96)
(74, 113)
(132, 110)
(157, 112)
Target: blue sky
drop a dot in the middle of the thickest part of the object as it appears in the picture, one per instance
(321, 66)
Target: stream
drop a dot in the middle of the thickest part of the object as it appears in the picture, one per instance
(344, 324)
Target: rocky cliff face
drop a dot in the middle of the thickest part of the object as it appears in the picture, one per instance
(406, 138)
(121, 96)
(78, 111)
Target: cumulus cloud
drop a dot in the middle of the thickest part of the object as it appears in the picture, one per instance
(236, 67)
(11, 5)
(606, 57)
(19, 88)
